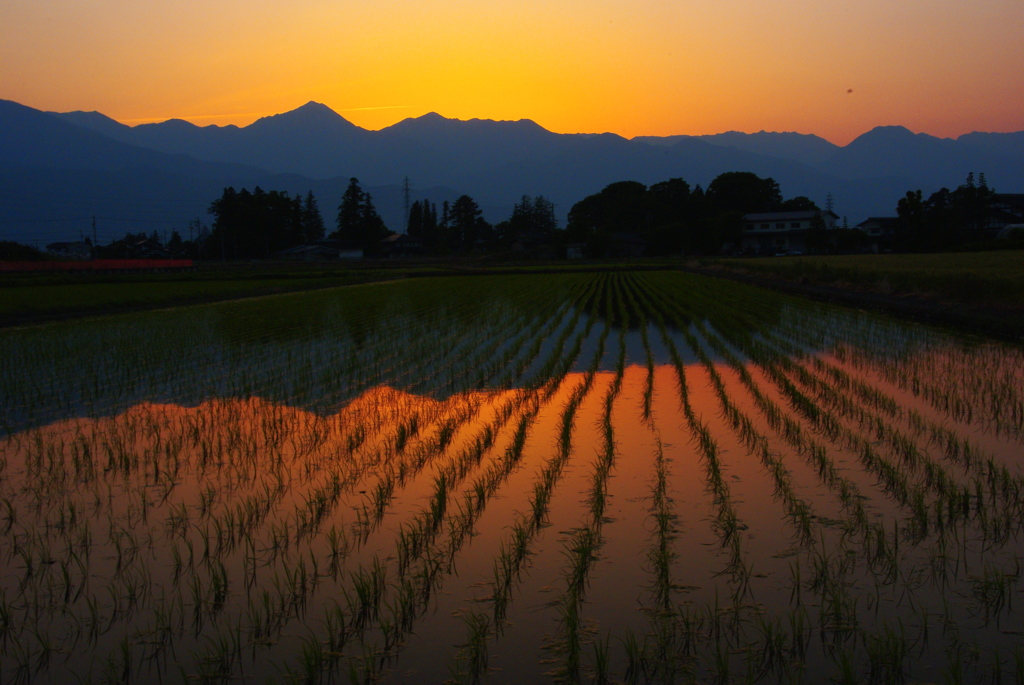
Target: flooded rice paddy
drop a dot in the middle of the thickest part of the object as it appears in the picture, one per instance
(639, 478)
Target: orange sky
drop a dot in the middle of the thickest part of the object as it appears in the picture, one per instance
(659, 67)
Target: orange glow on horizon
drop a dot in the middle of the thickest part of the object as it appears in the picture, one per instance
(833, 69)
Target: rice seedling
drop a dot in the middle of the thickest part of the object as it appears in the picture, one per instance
(351, 477)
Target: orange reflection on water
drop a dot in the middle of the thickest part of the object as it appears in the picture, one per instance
(164, 501)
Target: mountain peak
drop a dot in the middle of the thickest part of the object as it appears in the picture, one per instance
(890, 132)
(316, 107)
(311, 114)
(97, 122)
(895, 134)
(433, 123)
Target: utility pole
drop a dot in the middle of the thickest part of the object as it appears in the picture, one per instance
(407, 193)
(94, 237)
(828, 203)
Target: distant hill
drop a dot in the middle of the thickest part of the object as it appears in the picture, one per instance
(932, 162)
(797, 147)
(59, 171)
(30, 138)
(925, 161)
(312, 141)
(59, 168)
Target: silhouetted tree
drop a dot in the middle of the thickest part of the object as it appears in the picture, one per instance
(673, 216)
(468, 226)
(175, 246)
(358, 220)
(910, 231)
(312, 221)
(732, 195)
(414, 227)
(350, 213)
(945, 220)
(743, 192)
(670, 217)
(255, 225)
(430, 224)
(798, 204)
(445, 237)
(619, 207)
(10, 250)
(423, 223)
(532, 218)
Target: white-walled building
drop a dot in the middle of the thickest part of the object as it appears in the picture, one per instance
(780, 232)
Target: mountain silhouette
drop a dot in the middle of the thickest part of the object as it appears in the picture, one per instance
(798, 147)
(931, 162)
(181, 167)
(999, 144)
(312, 141)
(311, 116)
(30, 138)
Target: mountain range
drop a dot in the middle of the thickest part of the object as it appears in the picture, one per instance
(58, 170)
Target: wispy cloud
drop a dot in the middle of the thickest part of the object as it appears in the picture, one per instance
(363, 109)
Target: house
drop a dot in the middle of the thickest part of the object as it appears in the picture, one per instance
(1011, 232)
(783, 232)
(575, 250)
(533, 243)
(401, 245)
(1004, 209)
(880, 231)
(73, 250)
(146, 248)
(322, 250)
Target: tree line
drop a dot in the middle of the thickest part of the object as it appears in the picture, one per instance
(671, 217)
(259, 224)
(460, 226)
(947, 219)
(455, 227)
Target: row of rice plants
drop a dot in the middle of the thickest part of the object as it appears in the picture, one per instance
(314, 545)
(897, 536)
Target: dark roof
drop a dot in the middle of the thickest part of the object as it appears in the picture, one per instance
(400, 238)
(343, 245)
(1011, 199)
(880, 220)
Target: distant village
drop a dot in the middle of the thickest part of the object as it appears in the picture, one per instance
(738, 213)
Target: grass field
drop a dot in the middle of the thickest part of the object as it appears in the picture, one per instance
(32, 296)
(26, 298)
(637, 477)
(993, 277)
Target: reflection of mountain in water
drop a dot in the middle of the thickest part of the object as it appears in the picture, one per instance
(433, 337)
(431, 493)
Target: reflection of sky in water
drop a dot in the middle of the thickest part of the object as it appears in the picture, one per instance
(319, 350)
(368, 405)
(258, 444)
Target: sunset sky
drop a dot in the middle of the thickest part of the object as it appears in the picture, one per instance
(836, 68)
